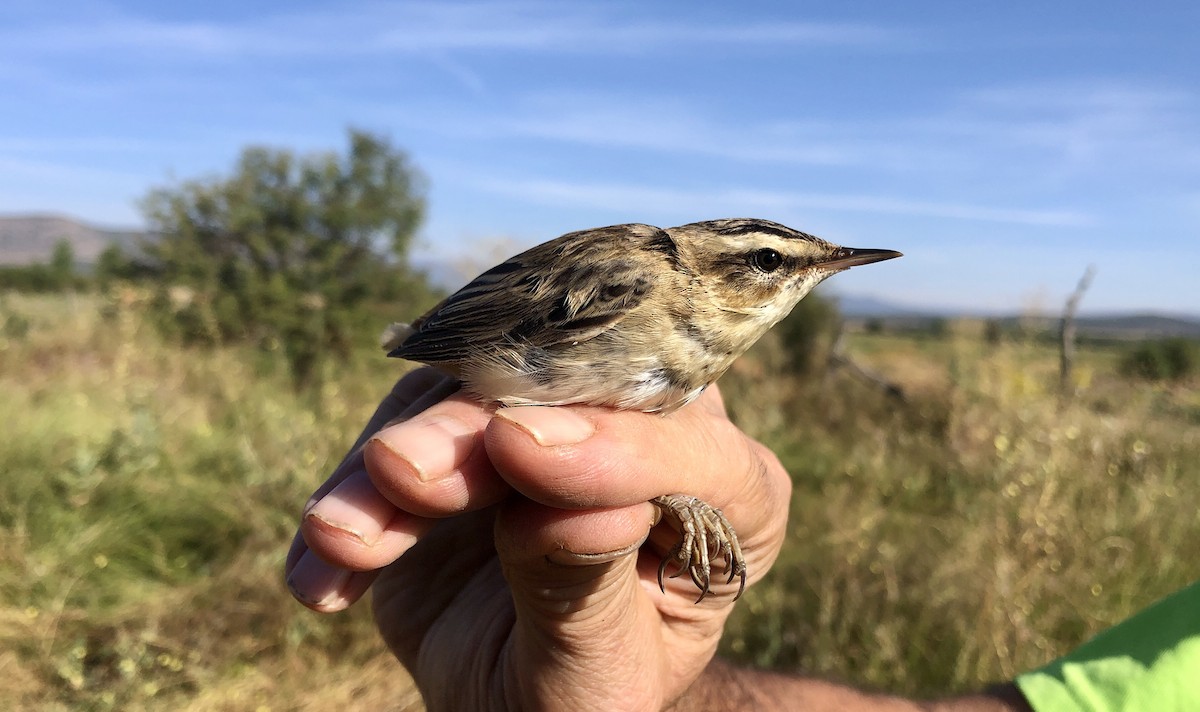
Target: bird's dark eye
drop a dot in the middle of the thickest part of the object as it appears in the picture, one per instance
(766, 259)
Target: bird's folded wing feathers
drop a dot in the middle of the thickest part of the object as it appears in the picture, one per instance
(525, 301)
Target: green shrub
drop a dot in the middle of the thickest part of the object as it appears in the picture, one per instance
(1165, 360)
(288, 250)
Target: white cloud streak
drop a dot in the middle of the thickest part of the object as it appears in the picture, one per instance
(1070, 135)
(642, 198)
(1085, 122)
(412, 27)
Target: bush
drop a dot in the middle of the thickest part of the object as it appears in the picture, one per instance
(992, 331)
(57, 275)
(288, 251)
(1166, 360)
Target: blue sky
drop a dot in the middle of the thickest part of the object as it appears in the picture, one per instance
(1003, 147)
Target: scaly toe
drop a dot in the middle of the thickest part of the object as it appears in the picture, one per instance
(705, 534)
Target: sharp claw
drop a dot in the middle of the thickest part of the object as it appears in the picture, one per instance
(705, 534)
(684, 558)
(703, 586)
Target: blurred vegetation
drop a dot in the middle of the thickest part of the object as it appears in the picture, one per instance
(301, 256)
(287, 250)
(978, 529)
(149, 495)
(57, 275)
(808, 334)
(1162, 360)
(975, 530)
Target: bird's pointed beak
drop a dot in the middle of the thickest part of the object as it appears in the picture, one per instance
(847, 257)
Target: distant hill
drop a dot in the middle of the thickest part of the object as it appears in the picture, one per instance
(1096, 326)
(854, 306)
(1121, 326)
(25, 239)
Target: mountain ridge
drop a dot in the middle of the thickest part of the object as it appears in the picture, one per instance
(27, 238)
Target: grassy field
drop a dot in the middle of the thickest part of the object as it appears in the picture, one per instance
(978, 527)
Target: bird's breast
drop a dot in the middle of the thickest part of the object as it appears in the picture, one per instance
(596, 372)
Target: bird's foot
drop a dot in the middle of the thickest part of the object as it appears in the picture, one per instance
(705, 535)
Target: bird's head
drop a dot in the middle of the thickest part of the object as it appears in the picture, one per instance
(755, 271)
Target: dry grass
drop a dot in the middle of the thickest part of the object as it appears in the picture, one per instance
(981, 528)
(148, 497)
(976, 530)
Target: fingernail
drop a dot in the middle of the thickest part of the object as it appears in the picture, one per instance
(315, 582)
(354, 507)
(549, 426)
(434, 447)
(571, 558)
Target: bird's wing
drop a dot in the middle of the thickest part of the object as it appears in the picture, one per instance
(564, 291)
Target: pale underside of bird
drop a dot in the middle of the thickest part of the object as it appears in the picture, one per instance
(633, 317)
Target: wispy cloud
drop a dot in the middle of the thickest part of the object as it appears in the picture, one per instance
(22, 190)
(75, 145)
(1084, 125)
(640, 124)
(15, 171)
(645, 124)
(646, 198)
(591, 27)
(415, 27)
(128, 33)
(1038, 134)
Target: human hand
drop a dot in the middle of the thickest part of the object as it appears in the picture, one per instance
(511, 552)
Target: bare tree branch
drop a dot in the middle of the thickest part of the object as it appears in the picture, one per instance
(1066, 332)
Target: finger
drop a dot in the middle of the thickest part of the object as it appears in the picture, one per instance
(409, 473)
(318, 585)
(555, 551)
(581, 457)
(433, 465)
(346, 522)
(412, 394)
(580, 603)
(558, 561)
(355, 527)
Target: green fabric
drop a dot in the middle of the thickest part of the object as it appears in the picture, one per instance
(1150, 662)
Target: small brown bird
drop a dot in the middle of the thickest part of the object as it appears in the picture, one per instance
(633, 317)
